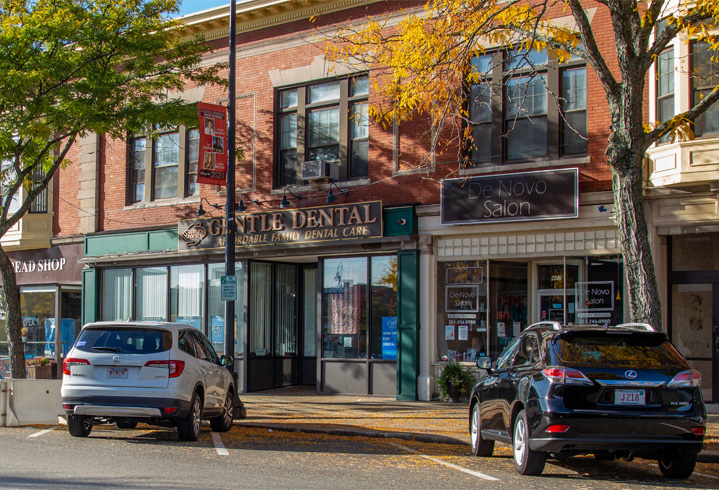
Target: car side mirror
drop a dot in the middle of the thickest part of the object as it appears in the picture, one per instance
(484, 362)
(226, 360)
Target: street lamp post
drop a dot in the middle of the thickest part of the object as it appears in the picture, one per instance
(230, 205)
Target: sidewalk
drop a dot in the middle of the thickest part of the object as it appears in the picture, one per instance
(299, 409)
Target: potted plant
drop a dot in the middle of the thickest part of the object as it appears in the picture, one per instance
(455, 380)
(40, 368)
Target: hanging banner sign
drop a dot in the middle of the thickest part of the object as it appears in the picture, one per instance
(212, 163)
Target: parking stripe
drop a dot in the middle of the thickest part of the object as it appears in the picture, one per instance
(42, 432)
(449, 465)
(219, 446)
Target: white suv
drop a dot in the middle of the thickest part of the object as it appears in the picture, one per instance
(159, 373)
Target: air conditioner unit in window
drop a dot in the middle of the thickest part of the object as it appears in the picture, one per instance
(320, 169)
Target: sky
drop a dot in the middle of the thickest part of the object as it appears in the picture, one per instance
(192, 6)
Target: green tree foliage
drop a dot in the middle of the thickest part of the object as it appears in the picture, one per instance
(73, 67)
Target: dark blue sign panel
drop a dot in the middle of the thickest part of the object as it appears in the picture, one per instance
(389, 337)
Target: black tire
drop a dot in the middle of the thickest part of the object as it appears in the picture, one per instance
(126, 424)
(678, 465)
(223, 423)
(188, 429)
(78, 425)
(526, 461)
(480, 447)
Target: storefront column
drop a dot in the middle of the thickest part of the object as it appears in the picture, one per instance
(407, 324)
(428, 305)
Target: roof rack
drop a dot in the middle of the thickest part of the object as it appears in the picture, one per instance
(547, 325)
(637, 326)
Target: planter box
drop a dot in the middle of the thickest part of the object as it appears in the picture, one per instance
(40, 372)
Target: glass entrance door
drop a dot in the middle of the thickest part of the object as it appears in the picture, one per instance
(273, 357)
(695, 331)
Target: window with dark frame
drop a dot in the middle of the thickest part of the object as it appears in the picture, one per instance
(665, 83)
(525, 106)
(164, 167)
(327, 121)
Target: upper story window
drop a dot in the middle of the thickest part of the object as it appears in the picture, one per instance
(323, 121)
(534, 123)
(164, 167)
(39, 204)
(665, 87)
(704, 77)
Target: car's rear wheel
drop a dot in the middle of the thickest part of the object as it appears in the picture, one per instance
(526, 461)
(78, 425)
(188, 429)
(126, 424)
(223, 423)
(480, 447)
(678, 465)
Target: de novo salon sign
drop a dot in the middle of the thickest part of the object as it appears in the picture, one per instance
(521, 196)
(285, 227)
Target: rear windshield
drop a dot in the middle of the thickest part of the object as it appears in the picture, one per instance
(124, 340)
(635, 351)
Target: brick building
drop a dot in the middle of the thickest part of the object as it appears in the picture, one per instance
(373, 291)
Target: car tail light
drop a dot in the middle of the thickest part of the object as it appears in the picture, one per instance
(67, 406)
(699, 431)
(175, 367)
(564, 375)
(557, 428)
(72, 361)
(686, 379)
(169, 410)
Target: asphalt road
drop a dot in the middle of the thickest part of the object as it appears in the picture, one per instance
(46, 457)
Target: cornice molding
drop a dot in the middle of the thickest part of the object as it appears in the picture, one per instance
(259, 14)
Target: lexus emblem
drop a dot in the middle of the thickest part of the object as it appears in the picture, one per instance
(116, 359)
(630, 374)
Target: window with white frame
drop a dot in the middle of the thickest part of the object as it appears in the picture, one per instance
(704, 77)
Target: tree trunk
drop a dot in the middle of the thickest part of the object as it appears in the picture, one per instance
(644, 301)
(14, 317)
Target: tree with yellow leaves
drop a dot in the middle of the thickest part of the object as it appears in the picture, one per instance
(428, 65)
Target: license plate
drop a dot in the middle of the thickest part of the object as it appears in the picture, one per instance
(629, 397)
(117, 373)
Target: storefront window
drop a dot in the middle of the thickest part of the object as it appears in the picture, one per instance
(695, 252)
(553, 290)
(216, 307)
(116, 288)
(344, 300)
(310, 312)
(348, 304)
(383, 308)
(600, 299)
(462, 310)
(508, 303)
(260, 309)
(151, 294)
(186, 294)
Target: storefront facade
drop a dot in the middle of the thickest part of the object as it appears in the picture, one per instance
(318, 292)
(50, 294)
(511, 250)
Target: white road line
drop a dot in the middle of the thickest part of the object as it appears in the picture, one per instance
(219, 447)
(705, 475)
(450, 465)
(42, 432)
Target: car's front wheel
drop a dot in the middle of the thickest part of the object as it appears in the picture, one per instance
(480, 447)
(223, 423)
(679, 465)
(188, 429)
(526, 461)
(78, 425)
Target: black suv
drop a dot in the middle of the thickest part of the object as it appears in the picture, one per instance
(615, 392)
